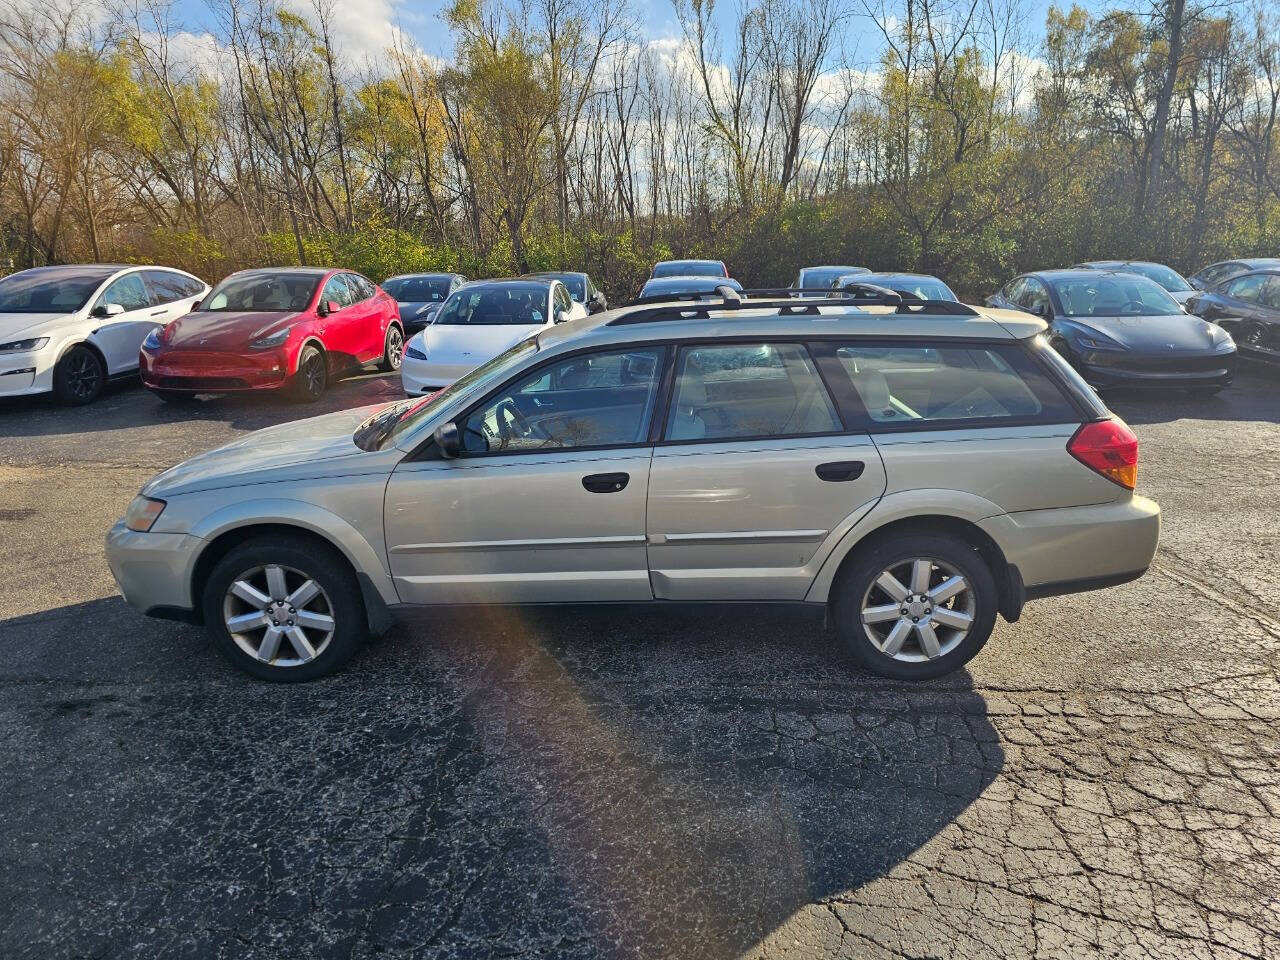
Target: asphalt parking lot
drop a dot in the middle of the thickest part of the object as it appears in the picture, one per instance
(1104, 778)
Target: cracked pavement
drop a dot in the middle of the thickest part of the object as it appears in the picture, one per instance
(1104, 779)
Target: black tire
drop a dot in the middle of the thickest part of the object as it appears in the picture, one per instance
(392, 350)
(79, 376)
(302, 559)
(855, 584)
(174, 396)
(308, 383)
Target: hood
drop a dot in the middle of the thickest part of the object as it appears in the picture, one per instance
(215, 330)
(319, 446)
(474, 344)
(23, 326)
(1179, 333)
(419, 313)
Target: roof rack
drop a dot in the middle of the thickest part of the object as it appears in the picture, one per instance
(698, 306)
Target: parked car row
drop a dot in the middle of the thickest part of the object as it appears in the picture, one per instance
(68, 330)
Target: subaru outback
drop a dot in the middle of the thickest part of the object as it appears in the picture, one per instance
(913, 468)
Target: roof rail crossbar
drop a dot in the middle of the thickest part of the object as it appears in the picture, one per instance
(699, 306)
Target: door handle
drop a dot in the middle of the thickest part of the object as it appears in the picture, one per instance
(159, 313)
(606, 482)
(840, 471)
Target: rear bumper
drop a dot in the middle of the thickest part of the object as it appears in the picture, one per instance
(1070, 549)
(209, 372)
(153, 570)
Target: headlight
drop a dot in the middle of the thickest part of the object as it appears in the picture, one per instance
(276, 339)
(1089, 343)
(142, 514)
(21, 346)
(413, 353)
(152, 342)
(1221, 339)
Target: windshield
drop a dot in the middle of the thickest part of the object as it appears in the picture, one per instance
(418, 289)
(1114, 295)
(673, 287)
(410, 413)
(576, 283)
(509, 303)
(689, 268)
(1165, 276)
(926, 288)
(263, 293)
(49, 291)
(826, 276)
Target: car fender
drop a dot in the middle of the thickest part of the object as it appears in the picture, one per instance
(362, 555)
(891, 508)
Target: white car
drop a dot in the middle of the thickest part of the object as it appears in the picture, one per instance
(69, 329)
(478, 322)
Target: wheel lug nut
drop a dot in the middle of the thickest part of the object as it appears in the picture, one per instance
(291, 623)
(915, 619)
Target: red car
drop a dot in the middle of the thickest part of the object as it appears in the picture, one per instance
(290, 328)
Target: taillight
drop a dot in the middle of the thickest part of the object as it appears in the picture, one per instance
(1108, 447)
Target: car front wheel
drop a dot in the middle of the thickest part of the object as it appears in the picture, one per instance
(915, 606)
(79, 376)
(309, 382)
(284, 610)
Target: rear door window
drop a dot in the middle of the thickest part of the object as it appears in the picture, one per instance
(168, 286)
(913, 385)
(746, 390)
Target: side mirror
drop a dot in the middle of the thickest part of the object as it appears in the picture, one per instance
(196, 305)
(108, 310)
(448, 440)
(561, 316)
(327, 307)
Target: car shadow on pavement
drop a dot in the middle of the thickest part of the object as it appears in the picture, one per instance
(1253, 396)
(501, 783)
(125, 405)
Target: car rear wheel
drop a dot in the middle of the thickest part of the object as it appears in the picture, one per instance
(284, 609)
(393, 350)
(915, 606)
(307, 385)
(79, 376)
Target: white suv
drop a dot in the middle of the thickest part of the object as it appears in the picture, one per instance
(915, 468)
(68, 329)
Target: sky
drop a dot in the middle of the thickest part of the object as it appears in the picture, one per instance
(365, 26)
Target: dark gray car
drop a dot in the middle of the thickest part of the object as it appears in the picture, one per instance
(1121, 329)
(420, 296)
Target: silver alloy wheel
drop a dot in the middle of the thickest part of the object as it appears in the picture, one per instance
(918, 609)
(273, 610)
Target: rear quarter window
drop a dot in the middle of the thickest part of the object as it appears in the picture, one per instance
(918, 386)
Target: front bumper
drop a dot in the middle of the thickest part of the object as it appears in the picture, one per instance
(201, 371)
(1103, 369)
(26, 373)
(1097, 544)
(420, 377)
(154, 570)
